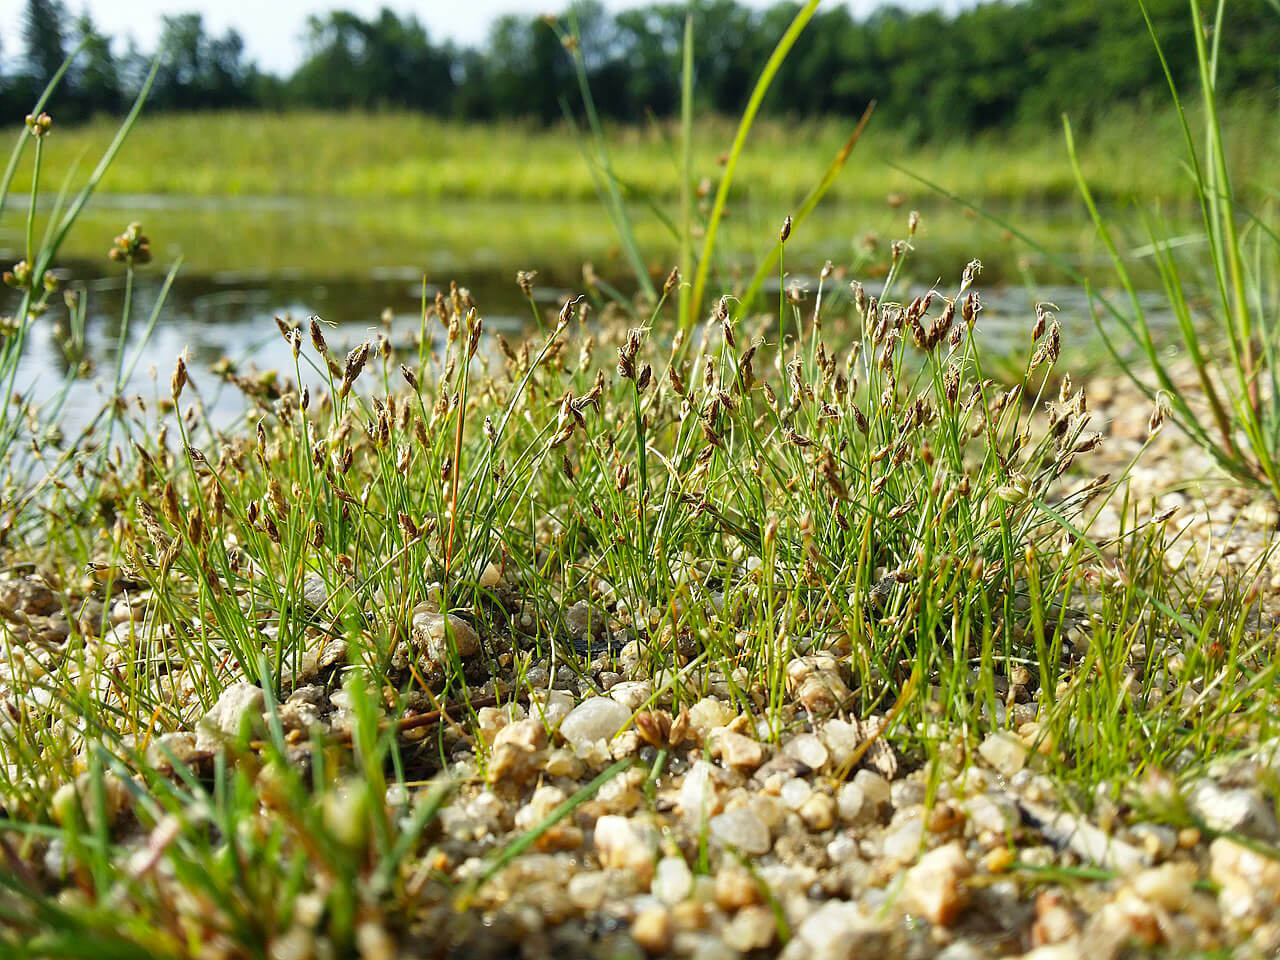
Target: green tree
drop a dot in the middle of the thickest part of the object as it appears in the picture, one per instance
(95, 76)
(42, 32)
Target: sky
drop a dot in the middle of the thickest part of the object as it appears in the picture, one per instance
(272, 28)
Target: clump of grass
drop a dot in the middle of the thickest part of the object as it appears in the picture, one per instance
(856, 518)
(1235, 268)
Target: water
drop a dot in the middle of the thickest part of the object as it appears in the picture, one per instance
(249, 261)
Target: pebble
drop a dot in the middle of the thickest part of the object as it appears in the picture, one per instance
(1249, 882)
(794, 793)
(934, 888)
(587, 890)
(697, 796)
(626, 844)
(672, 880)
(550, 706)
(632, 694)
(79, 796)
(585, 620)
(314, 592)
(739, 751)
(1170, 885)
(1086, 840)
(735, 888)
(852, 804)
(839, 931)
(809, 750)
(742, 829)
(431, 635)
(1004, 752)
(237, 707)
(819, 811)
(1233, 810)
(901, 842)
(652, 930)
(596, 718)
(517, 752)
(874, 787)
(842, 739)
(1158, 841)
(816, 684)
(708, 714)
(753, 928)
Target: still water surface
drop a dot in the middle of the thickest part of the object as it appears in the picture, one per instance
(245, 262)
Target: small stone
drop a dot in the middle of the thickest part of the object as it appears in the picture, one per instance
(995, 813)
(704, 946)
(708, 714)
(815, 683)
(80, 794)
(167, 749)
(901, 841)
(563, 763)
(672, 880)
(735, 888)
(584, 620)
(1169, 885)
(998, 860)
(550, 706)
(238, 707)
(697, 797)
(1004, 752)
(587, 890)
(1249, 883)
(842, 739)
(934, 887)
(794, 793)
(652, 930)
(544, 800)
(373, 942)
(1086, 840)
(490, 576)
(839, 930)
(1159, 842)
(874, 787)
(741, 829)
(632, 694)
(819, 811)
(769, 809)
(809, 750)
(516, 754)
(1238, 810)
(852, 804)
(314, 592)
(597, 718)
(753, 928)
(1055, 922)
(432, 632)
(626, 844)
(739, 752)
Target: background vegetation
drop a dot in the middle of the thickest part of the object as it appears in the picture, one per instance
(998, 65)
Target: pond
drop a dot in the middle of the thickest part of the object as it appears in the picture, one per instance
(246, 261)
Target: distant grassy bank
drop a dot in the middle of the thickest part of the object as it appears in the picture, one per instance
(398, 155)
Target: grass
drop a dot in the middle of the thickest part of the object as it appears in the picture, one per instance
(736, 512)
(1242, 261)
(409, 157)
(828, 505)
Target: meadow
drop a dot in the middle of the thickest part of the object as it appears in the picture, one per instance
(1128, 154)
(716, 616)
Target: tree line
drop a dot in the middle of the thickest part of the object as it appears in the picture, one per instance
(997, 65)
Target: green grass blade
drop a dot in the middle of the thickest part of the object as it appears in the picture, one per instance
(771, 68)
